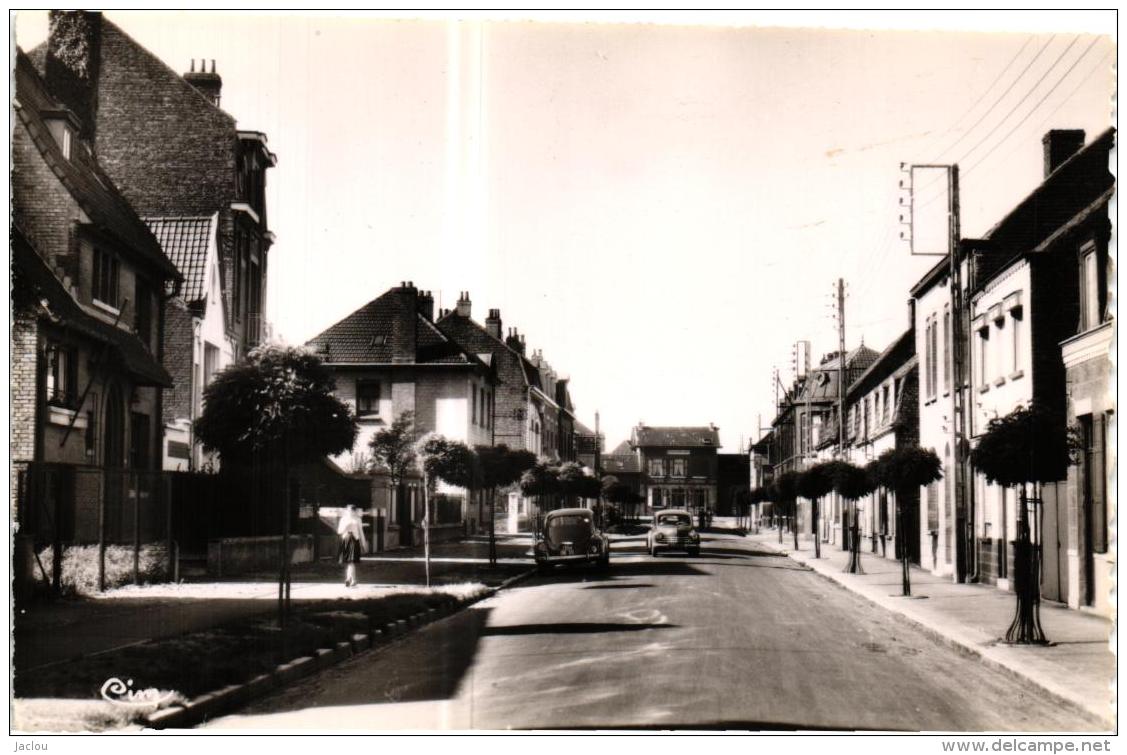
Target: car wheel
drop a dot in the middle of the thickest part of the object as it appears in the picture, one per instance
(604, 562)
(694, 552)
(543, 568)
(653, 551)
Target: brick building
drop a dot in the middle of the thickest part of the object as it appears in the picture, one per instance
(1027, 283)
(206, 204)
(89, 285)
(390, 356)
(678, 466)
(533, 409)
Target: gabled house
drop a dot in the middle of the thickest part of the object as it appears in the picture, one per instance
(533, 410)
(678, 466)
(389, 357)
(88, 299)
(206, 203)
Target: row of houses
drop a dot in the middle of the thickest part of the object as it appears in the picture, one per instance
(1033, 306)
(473, 382)
(140, 248)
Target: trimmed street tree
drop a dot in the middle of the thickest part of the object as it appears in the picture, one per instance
(500, 468)
(539, 480)
(851, 483)
(1029, 446)
(277, 406)
(393, 450)
(786, 493)
(757, 497)
(451, 461)
(815, 483)
(903, 470)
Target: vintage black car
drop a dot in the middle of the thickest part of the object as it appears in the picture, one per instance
(673, 531)
(569, 536)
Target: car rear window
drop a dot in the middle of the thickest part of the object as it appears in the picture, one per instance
(675, 519)
(569, 527)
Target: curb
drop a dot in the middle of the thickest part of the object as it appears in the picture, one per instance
(222, 701)
(963, 646)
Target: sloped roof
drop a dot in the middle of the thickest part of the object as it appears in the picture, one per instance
(81, 175)
(821, 385)
(32, 274)
(186, 240)
(456, 325)
(620, 464)
(897, 354)
(366, 336)
(676, 437)
(622, 449)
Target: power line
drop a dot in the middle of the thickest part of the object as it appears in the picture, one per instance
(986, 91)
(1031, 112)
(998, 101)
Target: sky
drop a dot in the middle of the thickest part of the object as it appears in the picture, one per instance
(663, 209)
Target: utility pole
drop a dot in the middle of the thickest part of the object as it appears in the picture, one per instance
(963, 532)
(841, 367)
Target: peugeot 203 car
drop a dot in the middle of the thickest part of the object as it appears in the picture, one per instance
(673, 531)
(569, 536)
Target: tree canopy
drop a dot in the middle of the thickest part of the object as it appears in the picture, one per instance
(540, 479)
(815, 482)
(785, 487)
(448, 460)
(850, 481)
(502, 466)
(1027, 445)
(907, 467)
(393, 448)
(279, 397)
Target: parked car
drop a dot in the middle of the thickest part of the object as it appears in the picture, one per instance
(569, 536)
(673, 531)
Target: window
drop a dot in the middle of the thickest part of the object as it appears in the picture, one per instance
(1089, 289)
(946, 350)
(139, 440)
(473, 400)
(143, 312)
(1015, 343)
(657, 468)
(656, 498)
(66, 142)
(368, 397)
(933, 350)
(868, 423)
(884, 409)
(678, 468)
(210, 362)
(983, 357)
(484, 422)
(106, 272)
(62, 375)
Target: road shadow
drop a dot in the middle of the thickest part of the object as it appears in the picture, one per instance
(621, 570)
(615, 586)
(593, 627)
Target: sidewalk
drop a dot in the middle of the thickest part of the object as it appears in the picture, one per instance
(51, 632)
(1078, 667)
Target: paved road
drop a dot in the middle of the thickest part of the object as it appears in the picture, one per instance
(733, 639)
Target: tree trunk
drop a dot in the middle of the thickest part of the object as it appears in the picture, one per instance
(493, 526)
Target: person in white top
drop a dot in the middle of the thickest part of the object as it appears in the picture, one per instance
(352, 543)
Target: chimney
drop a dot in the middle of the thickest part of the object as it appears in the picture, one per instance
(463, 308)
(426, 305)
(208, 83)
(493, 323)
(404, 325)
(74, 56)
(1061, 144)
(515, 341)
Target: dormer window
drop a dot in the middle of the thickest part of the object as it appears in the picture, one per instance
(65, 143)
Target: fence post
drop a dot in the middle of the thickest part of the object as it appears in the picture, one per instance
(135, 479)
(166, 495)
(102, 531)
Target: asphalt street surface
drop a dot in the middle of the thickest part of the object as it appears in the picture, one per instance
(734, 639)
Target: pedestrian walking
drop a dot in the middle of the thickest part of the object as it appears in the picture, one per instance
(352, 543)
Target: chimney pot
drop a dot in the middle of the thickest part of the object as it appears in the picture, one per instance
(1061, 144)
(464, 305)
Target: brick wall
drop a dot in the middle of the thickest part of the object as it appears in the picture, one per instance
(148, 115)
(41, 206)
(22, 395)
(179, 334)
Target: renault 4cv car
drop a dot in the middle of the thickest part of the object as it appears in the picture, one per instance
(569, 536)
(673, 531)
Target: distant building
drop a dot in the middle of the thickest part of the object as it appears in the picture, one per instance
(678, 466)
(733, 474)
(197, 179)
